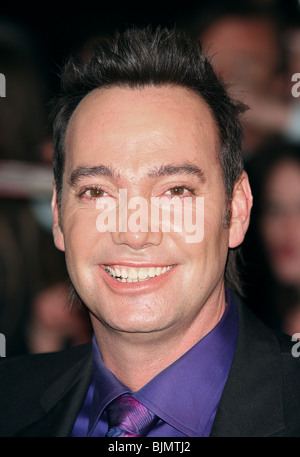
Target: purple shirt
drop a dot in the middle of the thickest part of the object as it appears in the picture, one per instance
(185, 395)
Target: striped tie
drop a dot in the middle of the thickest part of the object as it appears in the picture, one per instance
(128, 417)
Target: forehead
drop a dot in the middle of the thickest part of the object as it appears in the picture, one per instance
(134, 126)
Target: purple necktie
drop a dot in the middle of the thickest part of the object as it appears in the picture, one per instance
(128, 417)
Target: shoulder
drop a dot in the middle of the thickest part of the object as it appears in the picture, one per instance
(262, 393)
(31, 385)
(259, 336)
(290, 355)
(275, 363)
(290, 359)
(44, 362)
(287, 345)
(32, 373)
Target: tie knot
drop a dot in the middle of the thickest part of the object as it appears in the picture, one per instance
(128, 417)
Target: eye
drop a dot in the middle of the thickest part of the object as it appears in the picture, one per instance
(96, 192)
(93, 192)
(179, 191)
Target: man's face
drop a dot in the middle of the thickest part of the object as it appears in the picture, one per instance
(151, 142)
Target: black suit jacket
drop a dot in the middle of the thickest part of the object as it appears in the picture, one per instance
(41, 395)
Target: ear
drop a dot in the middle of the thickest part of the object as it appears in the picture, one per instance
(56, 229)
(241, 205)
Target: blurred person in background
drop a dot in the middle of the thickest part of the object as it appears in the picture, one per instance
(248, 52)
(22, 131)
(31, 269)
(272, 246)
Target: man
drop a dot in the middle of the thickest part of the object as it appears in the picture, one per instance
(148, 120)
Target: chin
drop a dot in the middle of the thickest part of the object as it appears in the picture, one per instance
(138, 328)
(124, 321)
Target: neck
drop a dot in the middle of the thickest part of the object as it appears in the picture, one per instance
(136, 358)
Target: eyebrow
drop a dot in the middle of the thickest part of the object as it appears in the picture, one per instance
(164, 170)
(180, 169)
(86, 172)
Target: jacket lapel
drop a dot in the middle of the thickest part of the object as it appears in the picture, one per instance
(61, 402)
(251, 404)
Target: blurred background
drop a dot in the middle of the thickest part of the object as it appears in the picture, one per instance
(254, 47)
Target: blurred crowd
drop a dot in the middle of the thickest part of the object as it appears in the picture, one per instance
(256, 51)
(35, 315)
(257, 54)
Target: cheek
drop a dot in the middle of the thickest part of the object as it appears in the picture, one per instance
(216, 230)
(210, 253)
(80, 234)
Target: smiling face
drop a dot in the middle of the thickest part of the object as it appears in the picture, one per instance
(280, 224)
(151, 142)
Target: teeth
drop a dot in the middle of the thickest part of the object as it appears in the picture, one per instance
(124, 273)
(151, 272)
(143, 274)
(131, 274)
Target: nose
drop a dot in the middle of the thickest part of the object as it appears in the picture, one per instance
(135, 230)
(137, 240)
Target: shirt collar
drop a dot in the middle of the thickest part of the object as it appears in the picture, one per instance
(200, 373)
